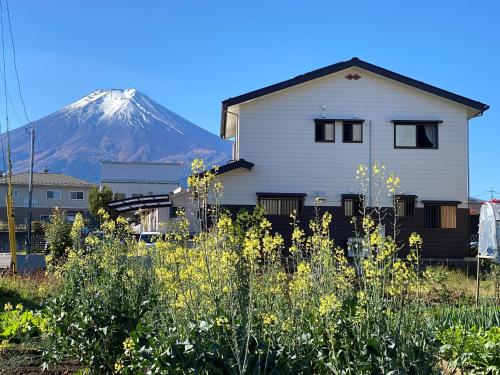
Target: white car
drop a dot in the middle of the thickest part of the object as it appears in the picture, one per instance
(149, 238)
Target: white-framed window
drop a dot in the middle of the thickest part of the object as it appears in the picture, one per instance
(76, 195)
(15, 193)
(53, 194)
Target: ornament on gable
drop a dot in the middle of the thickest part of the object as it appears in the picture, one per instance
(354, 76)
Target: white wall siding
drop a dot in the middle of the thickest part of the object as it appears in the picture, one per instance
(277, 134)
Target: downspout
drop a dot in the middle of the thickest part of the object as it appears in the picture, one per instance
(370, 162)
(468, 189)
(236, 155)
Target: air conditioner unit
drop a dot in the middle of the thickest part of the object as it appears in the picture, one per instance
(321, 196)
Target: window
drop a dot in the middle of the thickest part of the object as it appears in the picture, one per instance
(136, 195)
(352, 204)
(281, 204)
(440, 215)
(70, 217)
(172, 212)
(53, 194)
(408, 134)
(45, 218)
(34, 202)
(76, 195)
(15, 193)
(405, 206)
(352, 132)
(119, 196)
(325, 131)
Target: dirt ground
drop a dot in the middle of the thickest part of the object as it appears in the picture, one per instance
(19, 361)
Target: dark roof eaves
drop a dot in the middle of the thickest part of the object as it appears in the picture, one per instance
(318, 73)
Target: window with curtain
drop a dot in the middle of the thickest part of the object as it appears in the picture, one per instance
(284, 205)
(405, 206)
(352, 205)
(352, 132)
(324, 131)
(440, 215)
(415, 135)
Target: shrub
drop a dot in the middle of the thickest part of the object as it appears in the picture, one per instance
(57, 235)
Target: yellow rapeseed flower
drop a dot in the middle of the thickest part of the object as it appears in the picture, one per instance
(329, 305)
(415, 240)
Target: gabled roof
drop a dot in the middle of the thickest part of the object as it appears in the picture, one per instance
(330, 69)
(47, 179)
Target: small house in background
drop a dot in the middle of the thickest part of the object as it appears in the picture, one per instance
(141, 191)
(137, 179)
(50, 190)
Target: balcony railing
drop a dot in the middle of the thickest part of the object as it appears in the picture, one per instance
(4, 227)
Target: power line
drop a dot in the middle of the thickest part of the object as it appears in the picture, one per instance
(32, 138)
(15, 63)
(5, 89)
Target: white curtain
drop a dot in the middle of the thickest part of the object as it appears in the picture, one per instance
(329, 132)
(431, 133)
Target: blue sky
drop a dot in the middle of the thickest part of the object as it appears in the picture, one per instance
(190, 55)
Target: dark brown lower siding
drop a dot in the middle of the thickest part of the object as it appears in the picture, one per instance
(438, 243)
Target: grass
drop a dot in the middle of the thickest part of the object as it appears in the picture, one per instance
(450, 286)
(29, 290)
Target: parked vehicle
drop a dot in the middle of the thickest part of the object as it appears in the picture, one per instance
(149, 238)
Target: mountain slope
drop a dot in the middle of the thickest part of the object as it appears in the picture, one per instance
(117, 125)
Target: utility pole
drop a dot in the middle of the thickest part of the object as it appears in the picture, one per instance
(492, 192)
(30, 189)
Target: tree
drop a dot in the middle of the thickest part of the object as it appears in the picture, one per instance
(99, 199)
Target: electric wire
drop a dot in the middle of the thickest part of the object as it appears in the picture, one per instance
(14, 61)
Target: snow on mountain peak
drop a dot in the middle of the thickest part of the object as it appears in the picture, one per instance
(125, 105)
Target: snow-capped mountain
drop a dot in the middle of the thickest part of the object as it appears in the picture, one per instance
(117, 125)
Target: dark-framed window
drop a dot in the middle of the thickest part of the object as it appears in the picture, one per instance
(405, 206)
(440, 214)
(416, 134)
(324, 131)
(281, 204)
(352, 131)
(172, 212)
(352, 205)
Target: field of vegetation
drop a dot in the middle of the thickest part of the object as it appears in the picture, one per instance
(234, 299)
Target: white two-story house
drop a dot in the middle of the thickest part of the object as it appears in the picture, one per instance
(303, 139)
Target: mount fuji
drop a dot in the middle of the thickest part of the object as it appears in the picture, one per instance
(115, 125)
